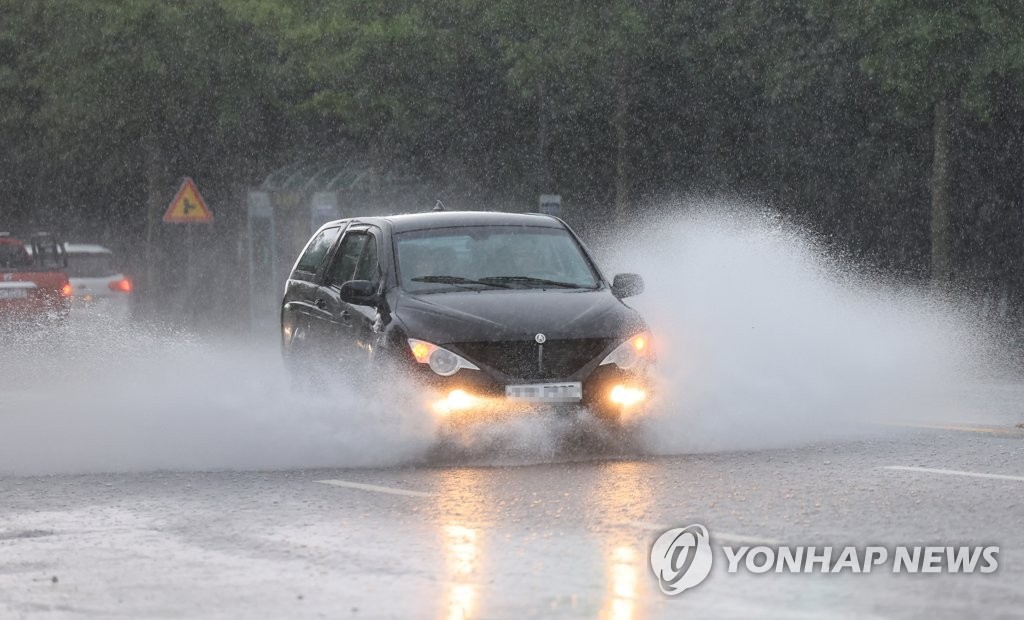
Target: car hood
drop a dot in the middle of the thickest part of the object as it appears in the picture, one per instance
(517, 314)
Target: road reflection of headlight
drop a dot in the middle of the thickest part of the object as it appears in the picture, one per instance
(627, 396)
(623, 577)
(462, 558)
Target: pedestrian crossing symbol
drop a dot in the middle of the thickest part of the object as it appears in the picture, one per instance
(188, 206)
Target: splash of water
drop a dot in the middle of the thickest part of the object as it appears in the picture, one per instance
(767, 341)
(764, 341)
(100, 397)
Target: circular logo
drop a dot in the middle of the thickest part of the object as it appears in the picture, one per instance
(540, 338)
(681, 558)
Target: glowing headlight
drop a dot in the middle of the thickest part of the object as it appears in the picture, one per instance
(626, 396)
(457, 400)
(628, 354)
(441, 361)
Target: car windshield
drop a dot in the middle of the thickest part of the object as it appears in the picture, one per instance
(14, 256)
(91, 265)
(491, 257)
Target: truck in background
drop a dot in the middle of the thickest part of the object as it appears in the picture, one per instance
(34, 283)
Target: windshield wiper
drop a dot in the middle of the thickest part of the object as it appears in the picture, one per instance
(531, 280)
(458, 280)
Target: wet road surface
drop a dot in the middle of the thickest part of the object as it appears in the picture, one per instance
(566, 539)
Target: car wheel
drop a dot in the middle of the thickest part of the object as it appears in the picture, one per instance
(297, 359)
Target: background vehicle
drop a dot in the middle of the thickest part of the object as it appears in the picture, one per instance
(33, 283)
(489, 311)
(97, 284)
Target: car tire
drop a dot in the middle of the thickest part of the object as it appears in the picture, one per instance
(298, 362)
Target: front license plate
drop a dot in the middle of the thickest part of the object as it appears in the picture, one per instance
(569, 392)
(13, 293)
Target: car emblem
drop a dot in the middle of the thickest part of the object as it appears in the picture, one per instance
(540, 338)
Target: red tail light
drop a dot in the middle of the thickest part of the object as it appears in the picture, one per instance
(124, 285)
(65, 290)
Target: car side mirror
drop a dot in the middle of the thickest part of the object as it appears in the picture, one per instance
(359, 292)
(627, 285)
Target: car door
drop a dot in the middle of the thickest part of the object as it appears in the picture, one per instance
(300, 311)
(339, 323)
(366, 319)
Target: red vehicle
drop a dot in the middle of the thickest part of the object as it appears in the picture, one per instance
(33, 281)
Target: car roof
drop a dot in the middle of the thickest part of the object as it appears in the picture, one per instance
(86, 248)
(449, 219)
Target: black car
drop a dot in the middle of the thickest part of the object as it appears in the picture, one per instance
(489, 311)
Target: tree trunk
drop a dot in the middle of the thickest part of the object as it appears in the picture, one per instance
(543, 172)
(623, 163)
(940, 183)
(156, 202)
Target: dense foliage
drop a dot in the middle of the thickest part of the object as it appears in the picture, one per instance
(893, 128)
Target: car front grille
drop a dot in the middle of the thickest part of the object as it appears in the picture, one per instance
(520, 359)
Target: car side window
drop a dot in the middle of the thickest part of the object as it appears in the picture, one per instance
(346, 259)
(367, 269)
(317, 250)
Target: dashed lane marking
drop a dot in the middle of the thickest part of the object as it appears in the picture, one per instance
(643, 525)
(715, 534)
(374, 488)
(953, 472)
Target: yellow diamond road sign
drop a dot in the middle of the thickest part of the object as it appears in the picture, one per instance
(188, 207)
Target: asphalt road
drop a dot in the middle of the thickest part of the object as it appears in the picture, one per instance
(566, 539)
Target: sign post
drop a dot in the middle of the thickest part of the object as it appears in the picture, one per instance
(322, 209)
(263, 264)
(550, 204)
(188, 207)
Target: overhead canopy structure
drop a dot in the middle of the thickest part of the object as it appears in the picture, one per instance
(332, 176)
(294, 200)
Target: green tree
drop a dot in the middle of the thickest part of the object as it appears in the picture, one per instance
(573, 60)
(940, 56)
(131, 95)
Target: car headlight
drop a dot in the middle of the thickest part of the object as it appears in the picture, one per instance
(441, 361)
(631, 352)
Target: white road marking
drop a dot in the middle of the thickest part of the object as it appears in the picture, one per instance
(374, 488)
(715, 534)
(953, 472)
(962, 428)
